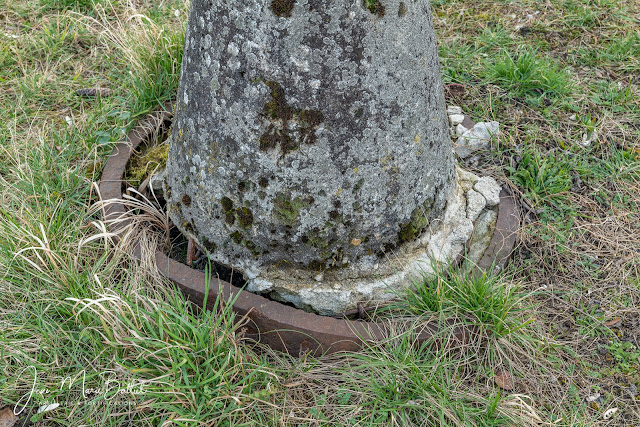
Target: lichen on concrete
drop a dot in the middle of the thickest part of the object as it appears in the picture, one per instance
(299, 130)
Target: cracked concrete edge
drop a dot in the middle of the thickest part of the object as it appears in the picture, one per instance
(444, 243)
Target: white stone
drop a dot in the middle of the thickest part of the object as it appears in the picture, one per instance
(456, 119)
(475, 204)
(588, 138)
(467, 179)
(454, 109)
(477, 138)
(490, 189)
(460, 130)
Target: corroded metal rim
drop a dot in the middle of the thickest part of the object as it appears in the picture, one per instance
(280, 326)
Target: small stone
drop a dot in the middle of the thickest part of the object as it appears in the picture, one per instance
(454, 109)
(466, 179)
(588, 138)
(593, 397)
(475, 204)
(490, 189)
(319, 277)
(609, 413)
(456, 119)
(476, 139)
(460, 130)
(356, 242)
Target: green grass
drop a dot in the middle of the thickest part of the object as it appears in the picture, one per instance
(75, 305)
(490, 300)
(541, 176)
(526, 74)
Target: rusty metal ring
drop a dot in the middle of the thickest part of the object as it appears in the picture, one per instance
(280, 326)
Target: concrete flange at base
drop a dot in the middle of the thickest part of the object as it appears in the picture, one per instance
(281, 326)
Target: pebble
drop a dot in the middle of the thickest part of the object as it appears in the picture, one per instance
(456, 119)
(609, 413)
(476, 139)
(588, 138)
(593, 397)
(460, 130)
(454, 109)
(490, 189)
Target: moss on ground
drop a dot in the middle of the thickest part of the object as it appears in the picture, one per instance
(150, 159)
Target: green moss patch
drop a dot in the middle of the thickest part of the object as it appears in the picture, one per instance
(148, 160)
(416, 226)
(287, 211)
(375, 7)
(282, 8)
(227, 204)
(245, 217)
(281, 114)
(402, 9)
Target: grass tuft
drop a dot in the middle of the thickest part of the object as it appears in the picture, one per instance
(540, 176)
(525, 74)
(488, 299)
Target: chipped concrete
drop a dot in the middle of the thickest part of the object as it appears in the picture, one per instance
(475, 204)
(445, 241)
(489, 188)
(482, 234)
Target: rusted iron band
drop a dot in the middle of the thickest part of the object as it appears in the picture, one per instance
(280, 326)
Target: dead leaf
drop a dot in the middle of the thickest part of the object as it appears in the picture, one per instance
(504, 380)
(7, 417)
(613, 322)
(93, 91)
(455, 90)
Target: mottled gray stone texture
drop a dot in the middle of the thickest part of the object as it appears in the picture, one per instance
(316, 140)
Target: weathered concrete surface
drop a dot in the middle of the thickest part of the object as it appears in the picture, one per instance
(464, 229)
(310, 138)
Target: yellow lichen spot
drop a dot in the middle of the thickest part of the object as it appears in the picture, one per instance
(355, 170)
(339, 191)
(356, 242)
(416, 139)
